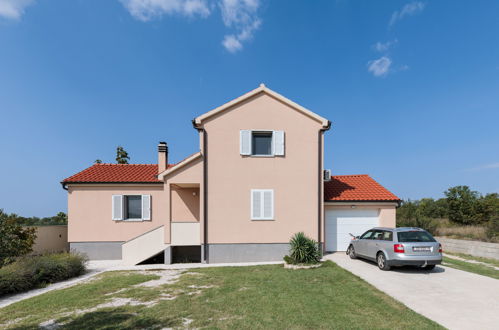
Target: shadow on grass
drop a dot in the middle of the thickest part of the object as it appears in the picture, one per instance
(111, 319)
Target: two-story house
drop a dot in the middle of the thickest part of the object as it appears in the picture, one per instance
(257, 179)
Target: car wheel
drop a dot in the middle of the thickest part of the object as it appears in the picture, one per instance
(429, 267)
(381, 261)
(351, 252)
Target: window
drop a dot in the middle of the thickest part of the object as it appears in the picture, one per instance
(378, 234)
(414, 236)
(387, 236)
(261, 143)
(131, 207)
(262, 204)
(367, 235)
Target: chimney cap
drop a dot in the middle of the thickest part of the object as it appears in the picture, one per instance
(162, 142)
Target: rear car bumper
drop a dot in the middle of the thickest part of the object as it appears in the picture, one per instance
(415, 261)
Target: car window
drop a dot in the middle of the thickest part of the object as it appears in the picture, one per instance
(387, 236)
(378, 234)
(415, 236)
(367, 234)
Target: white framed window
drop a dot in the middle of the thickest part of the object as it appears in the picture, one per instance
(261, 143)
(131, 207)
(262, 204)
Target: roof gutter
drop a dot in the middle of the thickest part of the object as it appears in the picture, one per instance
(64, 185)
(320, 185)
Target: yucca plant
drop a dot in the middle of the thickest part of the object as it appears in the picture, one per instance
(304, 250)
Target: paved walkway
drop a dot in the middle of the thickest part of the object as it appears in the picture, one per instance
(99, 266)
(456, 299)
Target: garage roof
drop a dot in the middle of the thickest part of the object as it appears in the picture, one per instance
(360, 187)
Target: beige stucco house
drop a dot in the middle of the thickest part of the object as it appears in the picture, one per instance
(257, 179)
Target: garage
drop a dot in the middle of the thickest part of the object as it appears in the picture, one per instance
(340, 222)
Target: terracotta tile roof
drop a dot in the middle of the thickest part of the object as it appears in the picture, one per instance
(117, 173)
(356, 188)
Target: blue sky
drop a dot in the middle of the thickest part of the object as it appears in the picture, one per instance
(411, 87)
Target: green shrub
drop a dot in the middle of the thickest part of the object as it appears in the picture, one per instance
(304, 250)
(288, 260)
(15, 240)
(36, 271)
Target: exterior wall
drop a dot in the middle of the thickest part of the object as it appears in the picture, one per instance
(51, 239)
(90, 213)
(185, 233)
(388, 217)
(221, 253)
(231, 176)
(190, 175)
(184, 204)
(98, 250)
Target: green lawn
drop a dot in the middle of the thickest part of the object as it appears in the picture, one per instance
(226, 297)
(480, 269)
(494, 262)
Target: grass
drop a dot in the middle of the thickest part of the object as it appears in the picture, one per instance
(479, 269)
(227, 297)
(451, 230)
(494, 262)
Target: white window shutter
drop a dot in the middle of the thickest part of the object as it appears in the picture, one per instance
(268, 204)
(278, 139)
(245, 142)
(117, 207)
(256, 204)
(146, 207)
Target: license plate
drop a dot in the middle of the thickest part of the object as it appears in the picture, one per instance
(421, 249)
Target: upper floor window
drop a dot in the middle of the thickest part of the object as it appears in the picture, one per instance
(261, 143)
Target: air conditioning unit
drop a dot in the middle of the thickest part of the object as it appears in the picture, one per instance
(327, 175)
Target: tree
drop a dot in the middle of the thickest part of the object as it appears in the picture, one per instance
(15, 240)
(98, 161)
(463, 205)
(489, 206)
(121, 155)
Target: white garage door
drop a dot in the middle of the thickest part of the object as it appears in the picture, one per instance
(339, 223)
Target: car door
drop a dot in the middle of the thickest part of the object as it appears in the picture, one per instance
(363, 241)
(380, 241)
(372, 245)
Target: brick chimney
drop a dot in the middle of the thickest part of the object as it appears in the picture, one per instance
(162, 156)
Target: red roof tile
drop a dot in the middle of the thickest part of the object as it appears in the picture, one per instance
(117, 173)
(356, 188)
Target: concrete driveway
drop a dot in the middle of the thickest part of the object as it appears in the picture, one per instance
(456, 299)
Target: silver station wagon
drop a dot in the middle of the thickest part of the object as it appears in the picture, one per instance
(397, 247)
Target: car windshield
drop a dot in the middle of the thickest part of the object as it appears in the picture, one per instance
(415, 236)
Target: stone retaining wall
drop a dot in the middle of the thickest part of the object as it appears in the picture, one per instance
(474, 248)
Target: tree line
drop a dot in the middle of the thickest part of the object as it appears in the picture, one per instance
(60, 218)
(461, 206)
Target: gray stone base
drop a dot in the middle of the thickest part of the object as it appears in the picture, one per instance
(246, 252)
(98, 250)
